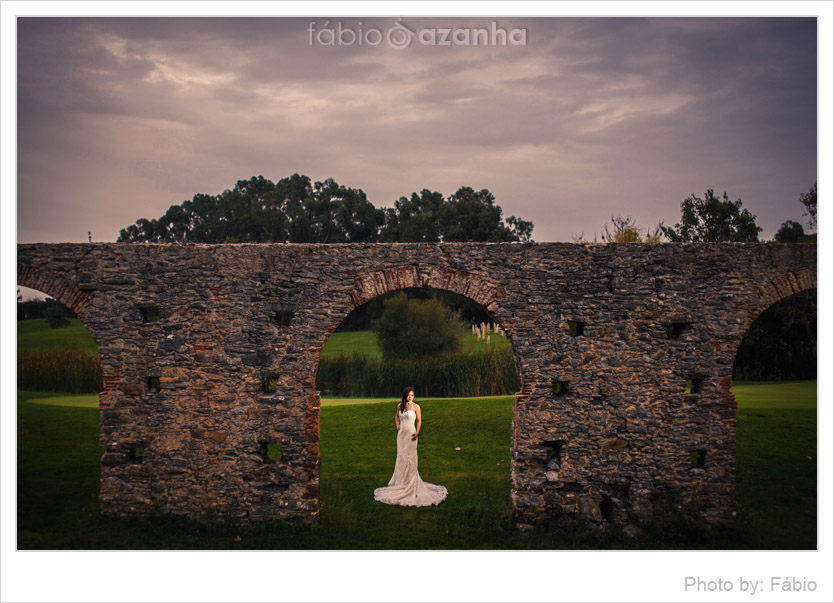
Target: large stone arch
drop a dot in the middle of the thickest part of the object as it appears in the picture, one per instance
(374, 283)
(601, 424)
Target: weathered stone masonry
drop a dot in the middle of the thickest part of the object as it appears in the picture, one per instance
(209, 355)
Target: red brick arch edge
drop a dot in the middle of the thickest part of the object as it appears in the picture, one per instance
(55, 286)
(374, 284)
(768, 294)
(779, 288)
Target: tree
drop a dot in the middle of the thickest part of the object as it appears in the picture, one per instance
(416, 327)
(37, 308)
(713, 220)
(414, 219)
(809, 200)
(56, 317)
(259, 211)
(473, 216)
(467, 215)
(790, 232)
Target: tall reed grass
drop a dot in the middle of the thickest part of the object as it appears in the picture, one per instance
(477, 373)
(71, 370)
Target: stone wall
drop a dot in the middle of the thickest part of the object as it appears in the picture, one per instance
(209, 354)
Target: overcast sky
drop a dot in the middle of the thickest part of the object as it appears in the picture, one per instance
(118, 119)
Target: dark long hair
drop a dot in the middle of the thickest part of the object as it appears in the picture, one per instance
(405, 399)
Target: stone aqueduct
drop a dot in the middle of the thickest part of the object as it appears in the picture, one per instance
(193, 339)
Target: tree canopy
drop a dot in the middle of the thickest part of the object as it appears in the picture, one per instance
(296, 210)
(809, 200)
(790, 232)
(259, 211)
(713, 220)
(416, 327)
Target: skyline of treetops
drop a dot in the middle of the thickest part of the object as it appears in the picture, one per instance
(298, 210)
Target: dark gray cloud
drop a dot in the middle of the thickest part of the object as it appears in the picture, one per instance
(120, 118)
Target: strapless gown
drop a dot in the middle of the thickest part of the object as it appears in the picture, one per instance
(406, 488)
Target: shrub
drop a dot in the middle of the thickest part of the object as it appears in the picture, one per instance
(410, 328)
(71, 370)
(481, 373)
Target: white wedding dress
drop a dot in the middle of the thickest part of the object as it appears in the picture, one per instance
(406, 488)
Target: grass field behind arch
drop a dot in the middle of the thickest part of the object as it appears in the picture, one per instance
(36, 335)
(364, 342)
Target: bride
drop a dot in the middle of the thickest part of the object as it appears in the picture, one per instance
(406, 488)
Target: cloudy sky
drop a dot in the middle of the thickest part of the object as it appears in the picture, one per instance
(120, 118)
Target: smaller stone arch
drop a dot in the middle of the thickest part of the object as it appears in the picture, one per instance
(56, 286)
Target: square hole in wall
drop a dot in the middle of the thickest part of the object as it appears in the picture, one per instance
(269, 383)
(575, 328)
(675, 329)
(694, 385)
(283, 317)
(559, 388)
(270, 452)
(149, 313)
(153, 385)
(135, 454)
(697, 459)
(554, 453)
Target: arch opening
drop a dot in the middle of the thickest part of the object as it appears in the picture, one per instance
(59, 380)
(467, 395)
(774, 387)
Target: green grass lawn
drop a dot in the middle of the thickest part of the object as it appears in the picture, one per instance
(795, 395)
(58, 473)
(364, 342)
(776, 463)
(35, 334)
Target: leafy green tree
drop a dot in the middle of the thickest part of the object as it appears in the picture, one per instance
(37, 308)
(790, 232)
(295, 210)
(414, 219)
(471, 215)
(416, 327)
(467, 215)
(809, 200)
(713, 220)
(259, 211)
(56, 317)
(522, 230)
